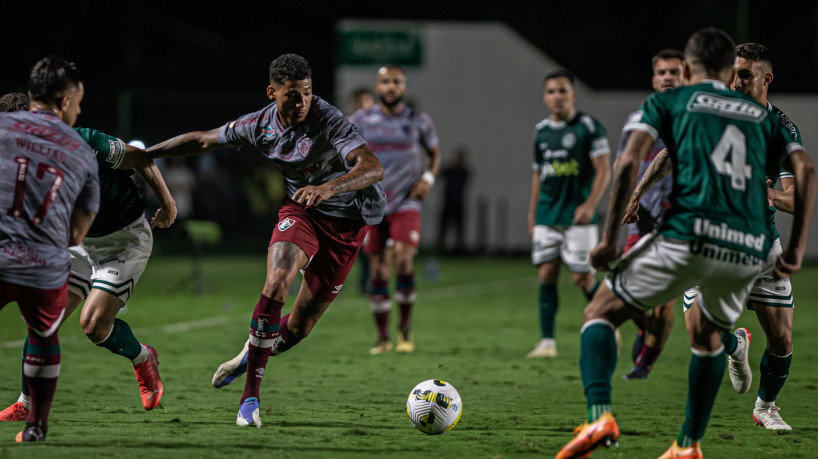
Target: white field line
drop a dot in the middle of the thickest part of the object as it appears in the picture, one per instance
(429, 294)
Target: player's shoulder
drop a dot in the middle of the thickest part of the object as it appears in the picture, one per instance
(369, 115)
(591, 124)
(542, 124)
(788, 123)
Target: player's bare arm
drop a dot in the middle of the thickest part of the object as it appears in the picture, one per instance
(366, 170)
(783, 200)
(658, 169)
(81, 220)
(192, 143)
(532, 207)
(625, 172)
(421, 188)
(166, 214)
(584, 213)
(804, 203)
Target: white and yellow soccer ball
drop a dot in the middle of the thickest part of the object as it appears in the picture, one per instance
(434, 407)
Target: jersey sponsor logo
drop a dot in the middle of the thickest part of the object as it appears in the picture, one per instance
(726, 106)
(717, 253)
(285, 224)
(111, 271)
(549, 154)
(112, 259)
(116, 153)
(46, 133)
(302, 146)
(25, 255)
(722, 232)
(337, 289)
(269, 131)
(569, 140)
(559, 169)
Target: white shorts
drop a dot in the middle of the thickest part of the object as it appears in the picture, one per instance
(766, 290)
(112, 263)
(657, 269)
(572, 243)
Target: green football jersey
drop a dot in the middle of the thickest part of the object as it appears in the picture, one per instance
(120, 198)
(796, 135)
(722, 145)
(563, 151)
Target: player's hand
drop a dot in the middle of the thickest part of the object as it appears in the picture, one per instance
(602, 255)
(787, 265)
(583, 214)
(631, 211)
(164, 217)
(311, 196)
(419, 190)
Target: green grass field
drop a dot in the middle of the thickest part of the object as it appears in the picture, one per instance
(329, 398)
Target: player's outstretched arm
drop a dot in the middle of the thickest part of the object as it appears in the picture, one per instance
(81, 220)
(532, 206)
(658, 169)
(366, 170)
(421, 189)
(192, 143)
(626, 169)
(804, 203)
(166, 214)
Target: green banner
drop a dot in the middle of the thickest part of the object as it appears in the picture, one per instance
(370, 47)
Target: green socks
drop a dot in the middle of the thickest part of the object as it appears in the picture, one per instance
(548, 309)
(774, 372)
(597, 362)
(704, 378)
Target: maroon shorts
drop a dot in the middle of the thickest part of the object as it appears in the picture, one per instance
(631, 241)
(41, 309)
(403, 226)
(331, 244)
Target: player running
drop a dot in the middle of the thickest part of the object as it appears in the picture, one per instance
(50, 194)
(714, 234)
(399, 136)
(770, 298)
(572, 169)
(332, 193)
(108, 263)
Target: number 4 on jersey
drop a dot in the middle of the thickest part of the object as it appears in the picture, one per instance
(16, 209)
(732, 143)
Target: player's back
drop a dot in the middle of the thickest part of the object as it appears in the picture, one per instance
(44, 167)
(722, 145)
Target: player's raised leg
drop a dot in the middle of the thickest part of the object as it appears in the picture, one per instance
(100, 324)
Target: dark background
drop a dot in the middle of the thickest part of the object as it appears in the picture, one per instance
(193, 48)
(155, 70)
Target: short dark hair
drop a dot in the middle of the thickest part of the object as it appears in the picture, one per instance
(711, 48)
(754, 52)
(561, 73)
(289, 67)
(50, 77)
(667, 53)
(14, 102)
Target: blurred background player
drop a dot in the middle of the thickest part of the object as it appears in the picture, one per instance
(51, 194)
(108, 263)
(455, 177)
(332, 193)
(714, 234)
(572, 169)
(654, 330)
(399, 136)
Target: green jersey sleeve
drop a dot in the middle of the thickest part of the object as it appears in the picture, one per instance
(109, 149)
(650, 118)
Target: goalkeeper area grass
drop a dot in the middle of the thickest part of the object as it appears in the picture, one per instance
(328, 397)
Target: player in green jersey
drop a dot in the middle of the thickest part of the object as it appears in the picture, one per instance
(721, 144)
(770, 298)
(107, 264)
(572, 169)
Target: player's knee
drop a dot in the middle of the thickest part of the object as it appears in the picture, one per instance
(93, 329)
(780, 344)
(276, 285)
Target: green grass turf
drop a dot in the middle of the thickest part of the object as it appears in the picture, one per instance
(329, 398)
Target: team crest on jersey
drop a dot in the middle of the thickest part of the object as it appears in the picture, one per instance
(285, 224)
(302, 146)
(569, 140)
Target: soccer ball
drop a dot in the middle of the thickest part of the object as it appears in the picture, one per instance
(434, 407)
